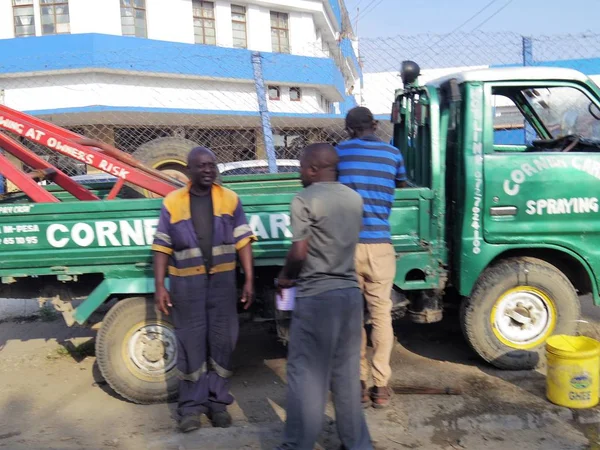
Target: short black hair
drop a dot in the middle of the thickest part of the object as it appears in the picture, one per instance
(200, 150)
(322, 155)
(359, 118)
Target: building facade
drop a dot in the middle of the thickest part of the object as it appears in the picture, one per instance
(132, 72)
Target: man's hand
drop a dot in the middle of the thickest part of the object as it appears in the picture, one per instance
(248, 294)
(284, 283)
(163, 300)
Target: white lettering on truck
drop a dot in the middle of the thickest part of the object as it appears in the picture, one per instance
(278, 223)
(103, 233)
(551, 206)
(588, 165)
(477, 153)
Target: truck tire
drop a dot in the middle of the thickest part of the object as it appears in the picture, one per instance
(167, 154)
(136, 351)
(515, 306)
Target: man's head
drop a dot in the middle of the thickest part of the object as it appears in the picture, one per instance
(360, 122)
(202, 166)
(318, 163)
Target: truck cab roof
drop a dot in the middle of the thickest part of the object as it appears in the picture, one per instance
(512, 74)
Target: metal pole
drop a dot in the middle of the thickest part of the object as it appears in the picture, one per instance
(527, 49)
(263, 109)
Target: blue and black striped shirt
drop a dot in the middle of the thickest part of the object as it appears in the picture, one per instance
(371, 167)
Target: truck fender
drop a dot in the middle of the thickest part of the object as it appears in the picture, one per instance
(552, 254)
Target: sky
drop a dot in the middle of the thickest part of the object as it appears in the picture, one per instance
(384, 18)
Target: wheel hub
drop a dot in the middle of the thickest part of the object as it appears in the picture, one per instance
(522, 316)
(153, 349)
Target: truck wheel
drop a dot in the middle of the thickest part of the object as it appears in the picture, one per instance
(515, 306)
(167, 154)
(136, 350)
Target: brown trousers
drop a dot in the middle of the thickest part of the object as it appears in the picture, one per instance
(376, 269)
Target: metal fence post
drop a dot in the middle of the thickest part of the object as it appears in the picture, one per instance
(527, 49)
(263, 109)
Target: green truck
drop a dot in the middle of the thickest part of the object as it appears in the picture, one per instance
(510, 233)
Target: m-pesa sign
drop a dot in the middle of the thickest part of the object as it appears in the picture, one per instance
(73, 150)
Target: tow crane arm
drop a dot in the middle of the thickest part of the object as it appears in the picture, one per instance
(93, 153)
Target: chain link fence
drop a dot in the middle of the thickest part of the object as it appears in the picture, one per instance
(156, 103)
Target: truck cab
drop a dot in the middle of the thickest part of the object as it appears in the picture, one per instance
(514, 221)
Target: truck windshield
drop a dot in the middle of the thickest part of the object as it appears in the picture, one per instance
(564, 111)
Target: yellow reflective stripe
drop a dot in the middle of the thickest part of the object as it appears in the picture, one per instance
(194, 376)
(187, 272)
(223, 249)
(163, 237)
(242, 243)
(188, 253)
(162, 249)
(221, 371)
(241, 230)
(225, 267)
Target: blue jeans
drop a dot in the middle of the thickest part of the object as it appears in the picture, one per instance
(324, 353)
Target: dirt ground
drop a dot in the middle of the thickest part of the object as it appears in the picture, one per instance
(53, 397)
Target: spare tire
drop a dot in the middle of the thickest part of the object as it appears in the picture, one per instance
(167, 154)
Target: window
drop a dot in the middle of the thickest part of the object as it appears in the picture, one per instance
(55, 16)
(24, 18)
(280, 35)
(238, 22)
(509, 123)
(523, 114)
(289, 143)
(326, 105)
(295, 94)
(133, 18)
(204, 22)
(274, 93)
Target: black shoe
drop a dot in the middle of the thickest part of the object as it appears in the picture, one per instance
(189, 423)
(220, 419)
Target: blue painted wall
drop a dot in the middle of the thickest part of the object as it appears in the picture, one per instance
(79, 51)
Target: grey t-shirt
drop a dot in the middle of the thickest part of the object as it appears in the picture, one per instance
(330, 216)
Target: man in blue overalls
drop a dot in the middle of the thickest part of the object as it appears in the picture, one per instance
(200, 230)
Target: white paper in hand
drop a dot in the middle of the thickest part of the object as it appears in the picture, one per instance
(285, 301)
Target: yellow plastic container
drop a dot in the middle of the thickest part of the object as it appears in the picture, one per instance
(573, 371)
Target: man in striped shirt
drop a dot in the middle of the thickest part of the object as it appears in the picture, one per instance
(373, 169)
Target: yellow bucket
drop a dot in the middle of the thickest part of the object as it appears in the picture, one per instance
(573, 371)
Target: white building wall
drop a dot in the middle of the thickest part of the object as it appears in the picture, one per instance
(223, 24)
(378, 90)
(303, 38)
(89, 18)
(7, 29)
(259, 30)
(170, 20)
(81, 90)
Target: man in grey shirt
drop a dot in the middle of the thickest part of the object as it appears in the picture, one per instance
(325, 336)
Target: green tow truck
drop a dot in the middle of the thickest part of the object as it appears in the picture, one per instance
(508, 232)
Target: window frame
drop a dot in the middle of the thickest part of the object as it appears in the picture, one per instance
(278, 88)
(488, 128)
(297, 89)
(54, 4)
(201, 17)
(135, 9)
(278, 28)
(245, 22)
(17, 7)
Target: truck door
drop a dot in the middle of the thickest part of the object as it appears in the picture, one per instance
(416, 233)
(542, 166)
